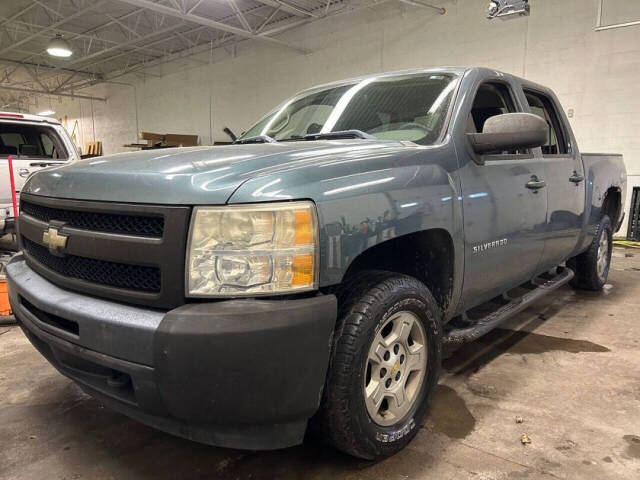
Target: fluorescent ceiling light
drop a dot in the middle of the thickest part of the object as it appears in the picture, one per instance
(46, 113)
(59, 47)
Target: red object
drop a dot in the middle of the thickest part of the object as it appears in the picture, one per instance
(13, 188)
(11, 115)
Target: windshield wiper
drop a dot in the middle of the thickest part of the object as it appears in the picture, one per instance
(343, 134)
(339, 135)
(231, 135)
(256, 139)
(292, 138)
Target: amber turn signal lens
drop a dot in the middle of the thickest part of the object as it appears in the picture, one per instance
(302, 269)
(303, 228)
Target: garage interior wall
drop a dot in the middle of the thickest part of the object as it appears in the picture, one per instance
(595, 73)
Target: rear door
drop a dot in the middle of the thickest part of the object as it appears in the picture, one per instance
(563, 171)
(504, 217)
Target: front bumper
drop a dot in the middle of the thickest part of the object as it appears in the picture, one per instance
(238, 373)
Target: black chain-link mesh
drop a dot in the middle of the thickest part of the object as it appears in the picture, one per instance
(101, 222)
(121, 275)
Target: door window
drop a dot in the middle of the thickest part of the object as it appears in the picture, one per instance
(542, 106)
(10, 142)
(491, 99)
(47, 145)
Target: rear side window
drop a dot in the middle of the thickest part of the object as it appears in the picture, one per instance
(542, 106)
(31, 141)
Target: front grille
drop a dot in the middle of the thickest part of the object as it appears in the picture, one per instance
(131, 253)
(145, 226)
(119, 275)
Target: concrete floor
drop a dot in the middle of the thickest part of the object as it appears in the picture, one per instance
(569, 366)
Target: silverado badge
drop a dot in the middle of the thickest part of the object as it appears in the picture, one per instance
(486, 246)
(55, 241)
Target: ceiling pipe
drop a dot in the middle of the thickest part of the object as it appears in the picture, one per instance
(209, 22)
(419, 3)
(41, 66)
(53, 94)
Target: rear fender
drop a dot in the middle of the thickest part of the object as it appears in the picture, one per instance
(603, 174)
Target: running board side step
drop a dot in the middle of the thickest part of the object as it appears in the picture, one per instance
(495, 318)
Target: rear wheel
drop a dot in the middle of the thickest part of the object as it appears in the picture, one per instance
(592, 266)
(384, 365)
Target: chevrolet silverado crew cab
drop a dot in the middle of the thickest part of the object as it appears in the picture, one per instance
(307, 277)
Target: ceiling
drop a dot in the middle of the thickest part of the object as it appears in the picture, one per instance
(111, 38)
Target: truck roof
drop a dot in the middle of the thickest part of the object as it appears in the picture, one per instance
(415, 71)
(17, 117)
(435, 70)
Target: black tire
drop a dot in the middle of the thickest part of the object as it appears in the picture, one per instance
(368, 301)
(585, 265)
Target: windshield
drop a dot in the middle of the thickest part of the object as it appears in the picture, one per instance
(410, 107)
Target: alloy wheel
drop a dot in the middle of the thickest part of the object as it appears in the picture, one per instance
(395, 369)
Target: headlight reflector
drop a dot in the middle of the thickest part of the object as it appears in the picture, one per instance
(246, 250)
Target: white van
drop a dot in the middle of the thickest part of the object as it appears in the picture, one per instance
(34, 143)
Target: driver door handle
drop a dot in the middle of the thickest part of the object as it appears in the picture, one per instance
(576, 178)
(535, 184)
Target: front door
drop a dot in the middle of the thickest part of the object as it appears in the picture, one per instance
(504, 206)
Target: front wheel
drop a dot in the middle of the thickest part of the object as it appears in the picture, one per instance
(592, 266)
(384, 365)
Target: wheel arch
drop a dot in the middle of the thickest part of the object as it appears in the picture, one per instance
(427, 255)
(612, 205)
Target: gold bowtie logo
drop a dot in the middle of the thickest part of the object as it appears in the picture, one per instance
(395, 367)
(55, 241)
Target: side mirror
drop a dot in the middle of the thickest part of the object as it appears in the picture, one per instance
(510, 131)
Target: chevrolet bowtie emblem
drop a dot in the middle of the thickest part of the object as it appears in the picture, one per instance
(55, 241)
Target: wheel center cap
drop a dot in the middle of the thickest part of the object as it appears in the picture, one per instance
(395, 367)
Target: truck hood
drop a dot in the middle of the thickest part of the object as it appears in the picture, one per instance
(190, 176)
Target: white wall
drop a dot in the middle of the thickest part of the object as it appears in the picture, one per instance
(595, 74)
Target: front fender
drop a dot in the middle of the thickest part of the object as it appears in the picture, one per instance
(365, 201)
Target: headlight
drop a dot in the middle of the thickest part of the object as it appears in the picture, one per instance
(246, 250)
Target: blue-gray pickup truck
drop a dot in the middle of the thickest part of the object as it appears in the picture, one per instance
(306, 277)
